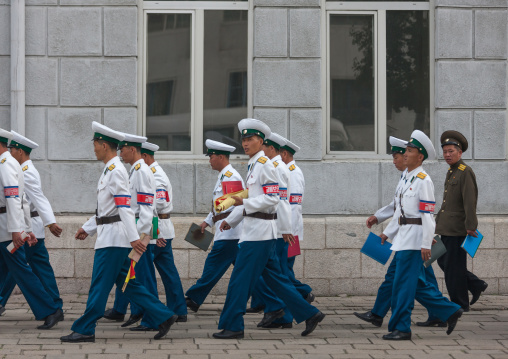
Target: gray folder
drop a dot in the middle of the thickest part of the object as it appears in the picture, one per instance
(436, 251)
(198, 239)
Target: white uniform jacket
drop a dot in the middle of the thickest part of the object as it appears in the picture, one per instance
(387, 211)
(415, 198)
(142, 187)
(263, 197)
(284, 208)
(113, 198)
(163, 200)
(296, 192)
(17, 216)
(227, 174)
(38, 202)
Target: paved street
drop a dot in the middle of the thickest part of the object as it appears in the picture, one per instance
(481, 333)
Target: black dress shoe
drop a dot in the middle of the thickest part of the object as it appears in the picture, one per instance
(228, 334)
(2, 309)
(312, 322)
(310, 297)
(142, 328)
(432, 323)
(452, 321)
(269, 317)
(181, 319)
(77, 338)
(370, 317)
(255, 310)
(164, 327)
(396, 335)
(52, 319)
(477, 293)
(112, 314)
(192, 305)
(278, 326)
(133, 319)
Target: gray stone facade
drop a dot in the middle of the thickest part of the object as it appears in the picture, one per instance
(82, 64)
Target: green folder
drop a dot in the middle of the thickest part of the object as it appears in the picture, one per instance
(198, 239)
(436, 251)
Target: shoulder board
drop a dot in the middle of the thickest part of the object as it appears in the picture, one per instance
(262, 160)
(111, 168)
(292, 167)
(138, 166)
(5, 159)
(228, 174)
(154, 169)
(276, 164)
(25, 168)
(421, 175)
(462, 167)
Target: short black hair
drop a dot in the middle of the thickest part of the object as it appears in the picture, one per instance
(3, 144)
(112, 146)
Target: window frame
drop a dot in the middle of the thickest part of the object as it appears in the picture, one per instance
(196, 9)
(379, 8)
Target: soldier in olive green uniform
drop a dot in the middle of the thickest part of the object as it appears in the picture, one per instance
(456, 219)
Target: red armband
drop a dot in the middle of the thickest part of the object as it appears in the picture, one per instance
(123, 201)
(295, 198)
(145, 199)
(427, 206)
(163, 194)
(11, 192)
(283, 194)
(271, 189)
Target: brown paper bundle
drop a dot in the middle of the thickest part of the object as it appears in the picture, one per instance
(224, 202)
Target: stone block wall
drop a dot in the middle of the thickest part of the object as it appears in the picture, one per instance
(331, 262)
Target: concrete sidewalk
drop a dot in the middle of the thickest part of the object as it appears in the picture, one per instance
(481, 333)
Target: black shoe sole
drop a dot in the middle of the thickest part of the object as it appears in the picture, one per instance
(438, 325)
(161, 335)
(85, 340)
(314, 326)
(45, 327)
(236, 336)
(181, 319)
(376, 324)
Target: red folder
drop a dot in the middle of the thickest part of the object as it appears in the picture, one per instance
(294, 249)
(231, 186)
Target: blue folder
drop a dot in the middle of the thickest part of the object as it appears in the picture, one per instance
(471, 243)
(375, 250)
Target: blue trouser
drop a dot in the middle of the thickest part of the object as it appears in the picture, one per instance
(302, 288)
(38, 258)
(110, 267)
(16, 264)
(410, 283)
(384, 293)
(165, 263)
(263, 294)
(254, 259)
(220, 258)
(145, 274)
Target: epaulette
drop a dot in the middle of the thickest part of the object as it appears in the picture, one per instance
(111, 168)
(228, 174)
(292, 167)
(462, 167)
(25, 168)
(275, 164)
(137, 167)
(262, 160)
(5, 159)
(421, 175)
(154, 169)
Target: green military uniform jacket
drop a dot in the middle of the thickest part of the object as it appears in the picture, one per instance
(458, 211)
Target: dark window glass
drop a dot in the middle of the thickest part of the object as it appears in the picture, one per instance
(407, 73)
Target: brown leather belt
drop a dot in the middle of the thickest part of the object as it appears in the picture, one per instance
(261, 215)
(164, 215)
(34, 214)
(107, 220)
(405, 220)
(220, 216)
(3, 210)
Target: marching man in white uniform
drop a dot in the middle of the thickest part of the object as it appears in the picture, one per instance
(256, 255)
(296, 194)
(117, 234)
(384, 294)
(225, 243)
(42, 216)
(142, 189)
(162, 248)
(412, 230)
(14, 220)
(273, 306)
